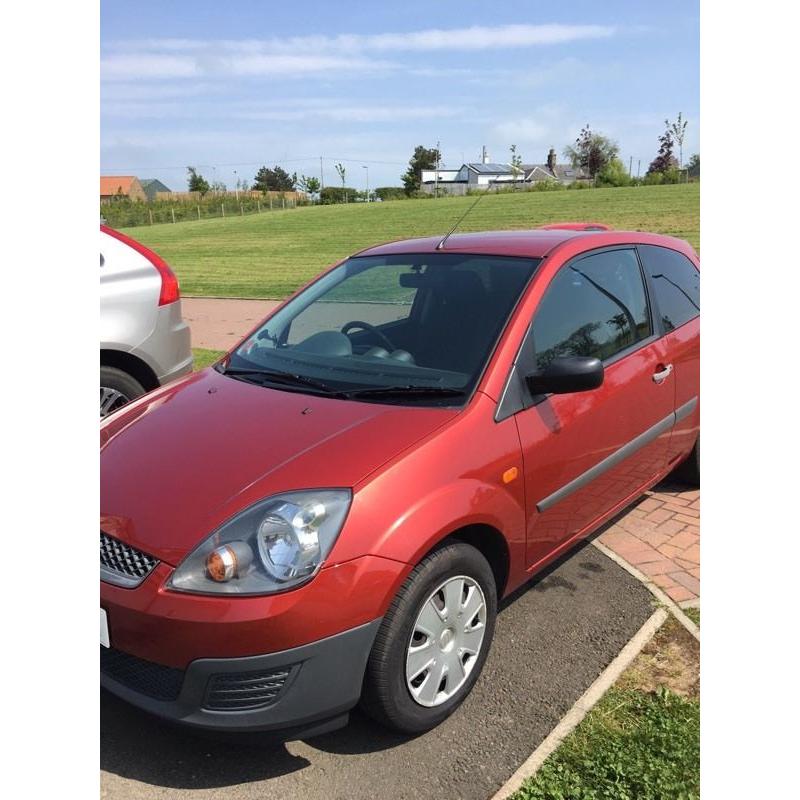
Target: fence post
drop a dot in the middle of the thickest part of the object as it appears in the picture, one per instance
(270, 202)
(223, 209)
(241, 208)
(198, 213)
(258, 204)
(283, 203)
(173, 215)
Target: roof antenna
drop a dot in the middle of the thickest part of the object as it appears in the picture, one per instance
(441, 244)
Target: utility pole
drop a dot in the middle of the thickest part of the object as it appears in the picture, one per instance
(436, 178)
(630, 167)
(321, 176)
(237, 185)
(364, 166)
(638, 167)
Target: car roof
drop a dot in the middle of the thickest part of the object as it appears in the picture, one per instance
(526, 243)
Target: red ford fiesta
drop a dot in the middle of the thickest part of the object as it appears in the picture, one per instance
(331, 513)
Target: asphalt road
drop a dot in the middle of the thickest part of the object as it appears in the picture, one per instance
(553, 638)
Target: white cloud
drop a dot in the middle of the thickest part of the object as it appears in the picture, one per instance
(328, 55)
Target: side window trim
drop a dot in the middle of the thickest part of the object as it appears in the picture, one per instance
(515, 396)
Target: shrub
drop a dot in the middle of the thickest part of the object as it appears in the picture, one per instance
(614, 174)
(390, 193)
(338, 194)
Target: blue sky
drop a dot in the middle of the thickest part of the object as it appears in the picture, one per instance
(230, 86)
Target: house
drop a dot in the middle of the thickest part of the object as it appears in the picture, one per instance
(489, 175)
(114, 187)
(152, 186)
(552, 171)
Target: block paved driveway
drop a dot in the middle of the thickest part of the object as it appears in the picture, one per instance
(660, 536)
(552, 640)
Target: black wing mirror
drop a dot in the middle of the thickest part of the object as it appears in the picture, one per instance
(567, 375)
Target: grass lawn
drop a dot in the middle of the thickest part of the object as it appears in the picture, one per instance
(642, 740)
(271, 254)
(204, 358)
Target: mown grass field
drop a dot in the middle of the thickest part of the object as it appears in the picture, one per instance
(270, 255)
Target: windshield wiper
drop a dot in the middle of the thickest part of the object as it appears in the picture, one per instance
(406, 391)
(284, 378)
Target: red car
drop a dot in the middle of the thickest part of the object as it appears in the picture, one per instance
(331, 513)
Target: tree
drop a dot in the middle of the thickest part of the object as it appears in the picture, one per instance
(694, 166)
(678, 131)
(516, 162)
(218, 187)
(340, 169)
(309, 185)
(274, 180)
(197, 183)
(591, 152)
(614, 174)
(665, 159)
(423, 158)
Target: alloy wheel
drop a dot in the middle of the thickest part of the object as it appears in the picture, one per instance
(111, 400)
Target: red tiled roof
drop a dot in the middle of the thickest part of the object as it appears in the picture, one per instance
(114, 184)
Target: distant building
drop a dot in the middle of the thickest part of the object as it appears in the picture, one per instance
(552, 171)
(113, 187)
(486, 174)
(152, 186)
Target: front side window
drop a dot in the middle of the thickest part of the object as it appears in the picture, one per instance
(403, 328)
(676, 282)
(595, 306)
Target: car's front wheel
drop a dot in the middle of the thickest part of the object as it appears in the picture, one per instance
(116, 389)
(433, 641)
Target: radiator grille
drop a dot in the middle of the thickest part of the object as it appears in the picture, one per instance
(154, 680)
(124, 560)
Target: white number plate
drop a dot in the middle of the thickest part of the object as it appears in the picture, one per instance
(104, 629)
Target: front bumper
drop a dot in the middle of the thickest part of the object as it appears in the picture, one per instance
(304, 690)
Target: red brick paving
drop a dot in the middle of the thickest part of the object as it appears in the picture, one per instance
(660, 536)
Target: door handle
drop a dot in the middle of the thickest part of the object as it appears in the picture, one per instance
(662, 374)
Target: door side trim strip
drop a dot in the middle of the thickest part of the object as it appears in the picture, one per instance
(617, 456)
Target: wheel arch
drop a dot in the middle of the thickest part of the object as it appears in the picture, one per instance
(133, 365)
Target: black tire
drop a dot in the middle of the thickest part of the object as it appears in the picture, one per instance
(385, 696)
(116, 380)
(689, 470)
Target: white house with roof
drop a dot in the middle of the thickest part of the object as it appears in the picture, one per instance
(487, 174)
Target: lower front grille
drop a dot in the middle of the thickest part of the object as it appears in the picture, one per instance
(154, 680)
(237, 691)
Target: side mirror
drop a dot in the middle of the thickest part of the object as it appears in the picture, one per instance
(567, 375)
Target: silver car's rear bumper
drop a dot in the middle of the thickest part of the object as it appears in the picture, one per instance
(167, 350)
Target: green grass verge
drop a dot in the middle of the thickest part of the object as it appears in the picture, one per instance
(642, 740)
(632, 746)
(204, 358)
(271, 254)
(693, 614)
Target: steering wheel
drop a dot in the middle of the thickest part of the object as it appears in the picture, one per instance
(355, 324)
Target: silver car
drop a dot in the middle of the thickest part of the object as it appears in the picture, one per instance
(144, 342)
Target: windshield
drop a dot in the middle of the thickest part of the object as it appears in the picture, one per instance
(404, 328)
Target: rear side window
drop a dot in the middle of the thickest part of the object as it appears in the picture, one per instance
(596, 306)
(676, 282)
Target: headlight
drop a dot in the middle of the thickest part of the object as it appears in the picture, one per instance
(276, 544)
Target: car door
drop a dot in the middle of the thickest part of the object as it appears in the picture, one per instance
(585, 454)
(676, 293)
